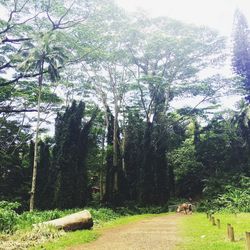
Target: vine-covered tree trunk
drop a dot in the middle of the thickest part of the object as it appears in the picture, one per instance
(70, 152)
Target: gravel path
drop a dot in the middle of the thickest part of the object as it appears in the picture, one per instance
(152, 234)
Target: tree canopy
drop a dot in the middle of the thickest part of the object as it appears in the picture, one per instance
(88, 97)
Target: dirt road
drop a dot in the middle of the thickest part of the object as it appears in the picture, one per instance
(152, 234)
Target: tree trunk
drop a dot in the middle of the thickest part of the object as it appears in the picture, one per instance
(33, 185)
(123, 152)
(80, 220)
(115, 148)
(101, 185)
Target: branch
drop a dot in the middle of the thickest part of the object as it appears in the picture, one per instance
(17, 40)
(8, 110)
(72, 23)
(23, 76)
(6, 65)
(14, 11)
(67, 24)
(66, 12)
(48, 15)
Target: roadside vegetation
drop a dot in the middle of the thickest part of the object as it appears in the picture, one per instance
(17, 232)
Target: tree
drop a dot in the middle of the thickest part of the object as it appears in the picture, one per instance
(15, 168)
(46, 56)
(167, 57)
(133, 153)
(109, 80)
(69, 153)
(241, 50)
(41, 56)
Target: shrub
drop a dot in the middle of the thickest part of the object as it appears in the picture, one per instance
(103, 214)
(27, 219)
(8, 216)
(235, 200)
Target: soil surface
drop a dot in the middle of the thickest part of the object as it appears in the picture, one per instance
(152, 234)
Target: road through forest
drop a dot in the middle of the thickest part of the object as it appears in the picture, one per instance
(161, 232)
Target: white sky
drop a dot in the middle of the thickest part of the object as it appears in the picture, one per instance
(217, 14)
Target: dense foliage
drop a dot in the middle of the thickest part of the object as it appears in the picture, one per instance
(106, 82)
(12, 221)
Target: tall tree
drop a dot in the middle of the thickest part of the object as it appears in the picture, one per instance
(71, 146)
(43, 57)
(167, 58)
(241, 50)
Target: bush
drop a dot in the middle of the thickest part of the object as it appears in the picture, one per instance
(103, 215)
(135, 209)
(8, 216)
(27, 219)
(234, 201)
(235, 198)
(207, 206)
(10, 220)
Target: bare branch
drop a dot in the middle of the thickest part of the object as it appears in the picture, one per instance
(67, 24)
(66, 12)
(9, 110)
(49, 17)
(6, 65)
(70, 24)
(29, 19)
(21, 8)
(16, 40)
(14, 11)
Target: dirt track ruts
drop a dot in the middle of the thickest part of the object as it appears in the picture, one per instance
(161, 232)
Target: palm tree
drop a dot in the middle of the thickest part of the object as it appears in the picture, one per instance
(45, 57)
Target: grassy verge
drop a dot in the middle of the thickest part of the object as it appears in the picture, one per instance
(198, 233)
(85, 236)
(17, 232)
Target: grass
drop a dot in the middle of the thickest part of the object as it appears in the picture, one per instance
(17, 232)
(70, 239)
(198, 232)
(85, 236)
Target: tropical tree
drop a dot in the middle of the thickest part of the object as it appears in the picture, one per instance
(241, 48)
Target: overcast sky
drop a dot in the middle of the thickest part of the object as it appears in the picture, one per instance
(217, 14)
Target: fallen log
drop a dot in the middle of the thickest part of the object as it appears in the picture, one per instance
(76, 221)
